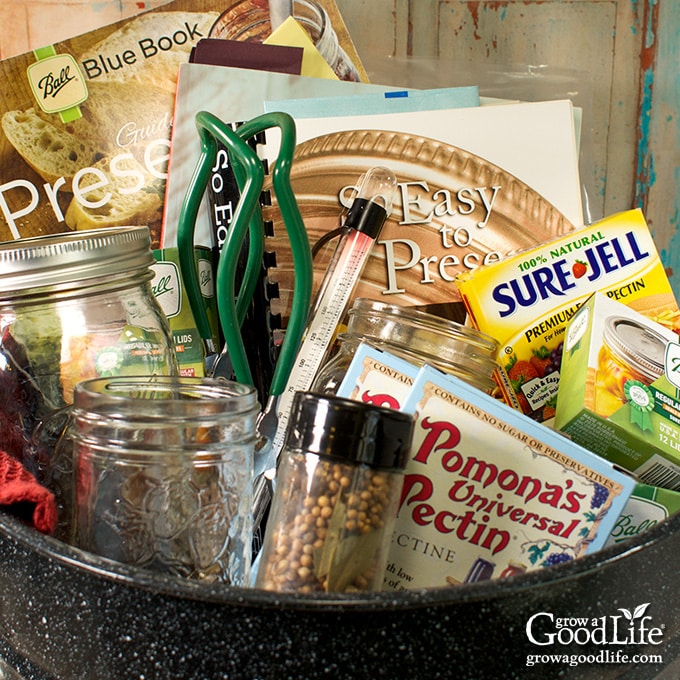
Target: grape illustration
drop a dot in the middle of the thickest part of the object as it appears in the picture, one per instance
(556, 356)
(599, 497)
(556, 558)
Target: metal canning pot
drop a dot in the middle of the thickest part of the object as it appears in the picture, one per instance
(67, 614)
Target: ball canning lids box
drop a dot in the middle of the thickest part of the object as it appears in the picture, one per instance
(170, 291)
(486, 487)
(526, 301)
(646, 507)
(619, 392)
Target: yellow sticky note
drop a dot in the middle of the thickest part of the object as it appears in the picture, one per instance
(291, 33)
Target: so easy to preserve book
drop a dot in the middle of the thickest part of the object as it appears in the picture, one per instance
(474, 184)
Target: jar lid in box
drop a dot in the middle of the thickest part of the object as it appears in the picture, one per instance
(639, 346)
(66, 261)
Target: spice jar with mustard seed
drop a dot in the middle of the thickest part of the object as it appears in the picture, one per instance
(337, 494)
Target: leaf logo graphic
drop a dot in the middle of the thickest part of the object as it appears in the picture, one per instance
(637, 613)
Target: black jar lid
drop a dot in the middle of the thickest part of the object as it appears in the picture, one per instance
(349, 430)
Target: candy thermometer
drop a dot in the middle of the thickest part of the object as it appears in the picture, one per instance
(364, 220)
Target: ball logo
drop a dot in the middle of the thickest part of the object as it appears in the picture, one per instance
(57, 83)
(672, 364)
(205, 278)
(166, 287)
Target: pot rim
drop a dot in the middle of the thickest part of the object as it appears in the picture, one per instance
(216, 594)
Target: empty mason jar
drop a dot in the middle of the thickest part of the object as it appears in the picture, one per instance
(72, 306)
(164, 474)
(416, 336)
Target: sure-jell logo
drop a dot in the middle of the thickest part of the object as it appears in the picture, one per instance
(586, 261)
(57, 83)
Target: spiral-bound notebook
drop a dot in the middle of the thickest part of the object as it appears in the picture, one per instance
(234, 95)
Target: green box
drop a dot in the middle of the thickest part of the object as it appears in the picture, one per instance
(619, 391)
(646, 507)
(171, 294)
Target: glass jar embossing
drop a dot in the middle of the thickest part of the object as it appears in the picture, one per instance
(164, 474)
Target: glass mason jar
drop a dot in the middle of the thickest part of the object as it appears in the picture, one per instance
(163, 474)
(336, 499)
(249, 20)
(416, 336)
(630, 352)
(72, 306)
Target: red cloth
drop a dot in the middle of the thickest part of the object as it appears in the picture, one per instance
(23, 496)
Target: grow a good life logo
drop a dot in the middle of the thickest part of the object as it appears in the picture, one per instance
(631, 629)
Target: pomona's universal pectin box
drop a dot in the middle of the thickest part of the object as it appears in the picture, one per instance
(619, 390)
(378, 377)
(489, 492)
(526, 301)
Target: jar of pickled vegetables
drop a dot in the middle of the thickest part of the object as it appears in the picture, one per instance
(630, 351)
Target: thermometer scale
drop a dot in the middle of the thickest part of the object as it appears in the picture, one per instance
(365, 218)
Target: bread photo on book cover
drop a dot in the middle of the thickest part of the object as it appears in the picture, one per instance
(114, 117)
(120, 140)
(52, 151)
(129, 195)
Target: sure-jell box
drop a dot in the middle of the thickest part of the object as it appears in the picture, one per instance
(489, 492)
(619, 390)
(525, 301)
